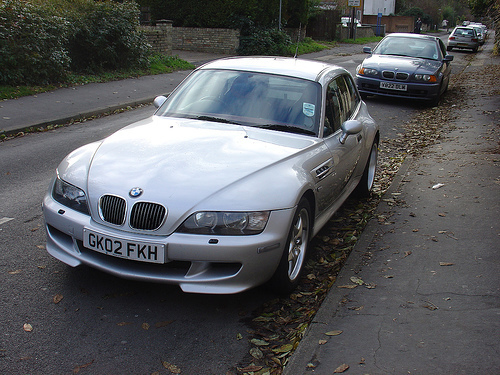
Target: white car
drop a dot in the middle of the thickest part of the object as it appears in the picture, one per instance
(223, 187)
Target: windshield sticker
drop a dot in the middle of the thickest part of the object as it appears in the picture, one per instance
(308, 109)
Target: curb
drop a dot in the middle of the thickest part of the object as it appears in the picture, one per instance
(78, 117)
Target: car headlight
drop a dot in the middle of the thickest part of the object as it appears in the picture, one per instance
(367, 71)
(225, 223)
(70, 196)
(425, 77)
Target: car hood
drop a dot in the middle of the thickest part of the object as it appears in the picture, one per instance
(187, 165)
(409, 65)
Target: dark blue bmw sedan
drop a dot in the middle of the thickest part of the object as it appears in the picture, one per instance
(413, 66)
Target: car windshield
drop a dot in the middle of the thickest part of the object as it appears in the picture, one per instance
(410, 47)
(245, 98)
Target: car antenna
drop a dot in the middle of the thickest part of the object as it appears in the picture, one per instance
(298, 40)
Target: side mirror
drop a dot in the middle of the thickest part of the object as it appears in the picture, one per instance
(367, 50)
(350, 127)
(159, 100)
(448, 58)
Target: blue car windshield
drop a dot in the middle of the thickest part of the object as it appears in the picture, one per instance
(410, 47)
(246, 98)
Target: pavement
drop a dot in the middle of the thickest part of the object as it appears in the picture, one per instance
(419, 294)
(428, 263)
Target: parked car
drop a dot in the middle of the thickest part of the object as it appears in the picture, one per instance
(481, 36)
(223, 187)
(412, 66)
(463, 37)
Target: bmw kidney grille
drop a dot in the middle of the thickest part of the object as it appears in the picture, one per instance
(143, 216)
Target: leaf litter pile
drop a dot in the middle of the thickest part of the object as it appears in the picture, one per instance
(279, 325)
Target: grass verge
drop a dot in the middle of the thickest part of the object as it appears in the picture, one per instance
(158, 64)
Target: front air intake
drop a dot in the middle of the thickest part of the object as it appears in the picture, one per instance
(147, 216)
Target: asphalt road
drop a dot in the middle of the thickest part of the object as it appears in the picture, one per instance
(82, 320)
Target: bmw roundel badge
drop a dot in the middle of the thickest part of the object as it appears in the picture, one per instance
(135, 192)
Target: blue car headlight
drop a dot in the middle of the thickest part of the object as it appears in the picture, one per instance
(367, 71)
(225, 223)
(426, 77)
(70, 196)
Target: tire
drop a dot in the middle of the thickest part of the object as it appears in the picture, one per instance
(364, 96)
(449, 48)
(366, 183)
(287, 275)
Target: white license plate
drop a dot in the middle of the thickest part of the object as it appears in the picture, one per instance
(393, 86)
(117, 247)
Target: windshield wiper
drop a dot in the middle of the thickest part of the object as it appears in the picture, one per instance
(215, 119)
(286, 128)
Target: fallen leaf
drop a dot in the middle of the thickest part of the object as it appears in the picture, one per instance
(334, 333)
(14, 272)
(121, 324)
(172, 368)
(446, 264)
(239, 336)
(430, 306)
(27, 327)
(259, 342)
(145, 326)
(250, 368)
(256, 353)
(322, 342)
(57, 298)
(347, 286)
(163, 324)
(77, 369)
(284, 348)
(341, 368)
(357, 280)
(442, 214)
(437, 186)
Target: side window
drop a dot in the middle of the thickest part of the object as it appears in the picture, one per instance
(353, 95)
(442, 47)
(342, 100)
(332, 109)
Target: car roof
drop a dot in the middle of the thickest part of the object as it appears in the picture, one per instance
(410, 35)
(285, 66)
(464, 27)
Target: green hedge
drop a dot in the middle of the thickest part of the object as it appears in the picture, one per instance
(106, 38)
(40, 41)
(32, 44)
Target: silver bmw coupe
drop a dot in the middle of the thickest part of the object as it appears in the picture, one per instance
(223, 187)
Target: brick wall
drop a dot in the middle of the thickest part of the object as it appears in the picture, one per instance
(164, 38)
(223, 41)
(159, 37)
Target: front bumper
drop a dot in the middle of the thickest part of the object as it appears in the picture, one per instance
(420, 91)
(197, 263)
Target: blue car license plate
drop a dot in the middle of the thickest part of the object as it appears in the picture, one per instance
(393, 86)
(122, 248)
